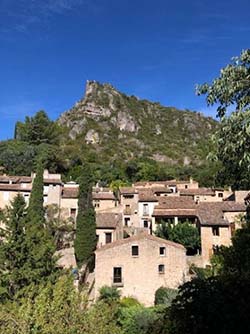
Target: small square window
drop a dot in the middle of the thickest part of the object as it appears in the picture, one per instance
(186, 186)
(126, 221)
(162, 251)
(216, 230)
(117, 275)
(135, 250)
(161, 268)
(220, 194)
(145, 224)
(108, 238)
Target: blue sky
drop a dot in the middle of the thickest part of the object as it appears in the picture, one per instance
(156, 50)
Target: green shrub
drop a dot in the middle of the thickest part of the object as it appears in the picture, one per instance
(109, 294)
(165, 296)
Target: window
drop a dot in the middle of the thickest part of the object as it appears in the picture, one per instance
(145, 209)
(108, 238)
(162, 251)
(220, 194)
(73, 212)
(145, 224)
(117, 275)
(128, 196)
(216, 230)
(126, 221)
(186, 186)
(6, 196)
(135, 250)
(97, 204)
(161, 269)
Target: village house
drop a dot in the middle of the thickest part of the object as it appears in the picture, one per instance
(142, 207)
(139, 265)
(216, 221)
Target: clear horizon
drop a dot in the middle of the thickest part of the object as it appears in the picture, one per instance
(154, 50)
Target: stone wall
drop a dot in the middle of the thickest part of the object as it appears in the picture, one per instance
(140, 274)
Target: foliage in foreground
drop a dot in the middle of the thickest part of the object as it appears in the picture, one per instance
(57, 309)
(231, 92)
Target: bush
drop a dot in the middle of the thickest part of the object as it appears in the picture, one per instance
(109, 294)
(165, 296)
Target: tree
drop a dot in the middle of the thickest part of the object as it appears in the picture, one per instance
(85, 240)
(165, 296)
(12, 249)
(182, 233)
(38, 129)
(57, 309)
(231, 90)
(40, 263)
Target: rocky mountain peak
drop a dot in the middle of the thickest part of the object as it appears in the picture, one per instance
(105, 117)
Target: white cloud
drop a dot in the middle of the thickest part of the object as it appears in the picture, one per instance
(23, 14)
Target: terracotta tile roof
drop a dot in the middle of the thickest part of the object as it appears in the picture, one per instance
(212, 214)
(52, 181)
(101, 189)
(128, 190)
(14, 187)
(170, 213)
(176, 202)
(108, 220)
(70, 192)
(208, 213)
(198, 191)
(137, 238)
(103, 195)
(161, 190)
(147, 196)
(230, 206)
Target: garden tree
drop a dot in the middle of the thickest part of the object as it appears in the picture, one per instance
(183, 233)
(85, 240)
(231, 91)
(38, 129)
(40, 262)
(12, 249)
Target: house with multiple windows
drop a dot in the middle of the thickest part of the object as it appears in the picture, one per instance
(139, 265)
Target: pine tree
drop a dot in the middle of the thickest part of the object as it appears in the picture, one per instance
(85, 240)
(13, 253)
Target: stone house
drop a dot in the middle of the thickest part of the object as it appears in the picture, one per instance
(139, 265)
(108, 227)
(103, 200)
(10, 186)
(214, 220)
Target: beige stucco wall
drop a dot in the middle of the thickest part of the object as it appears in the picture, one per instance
(104, 204)
(66, 205)
(6, 197)
(140, 274)
(133, 210)
(102, 236)
(208, 240)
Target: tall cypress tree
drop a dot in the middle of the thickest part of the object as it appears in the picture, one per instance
(85, 240)
(40, 264)
(13, 253)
